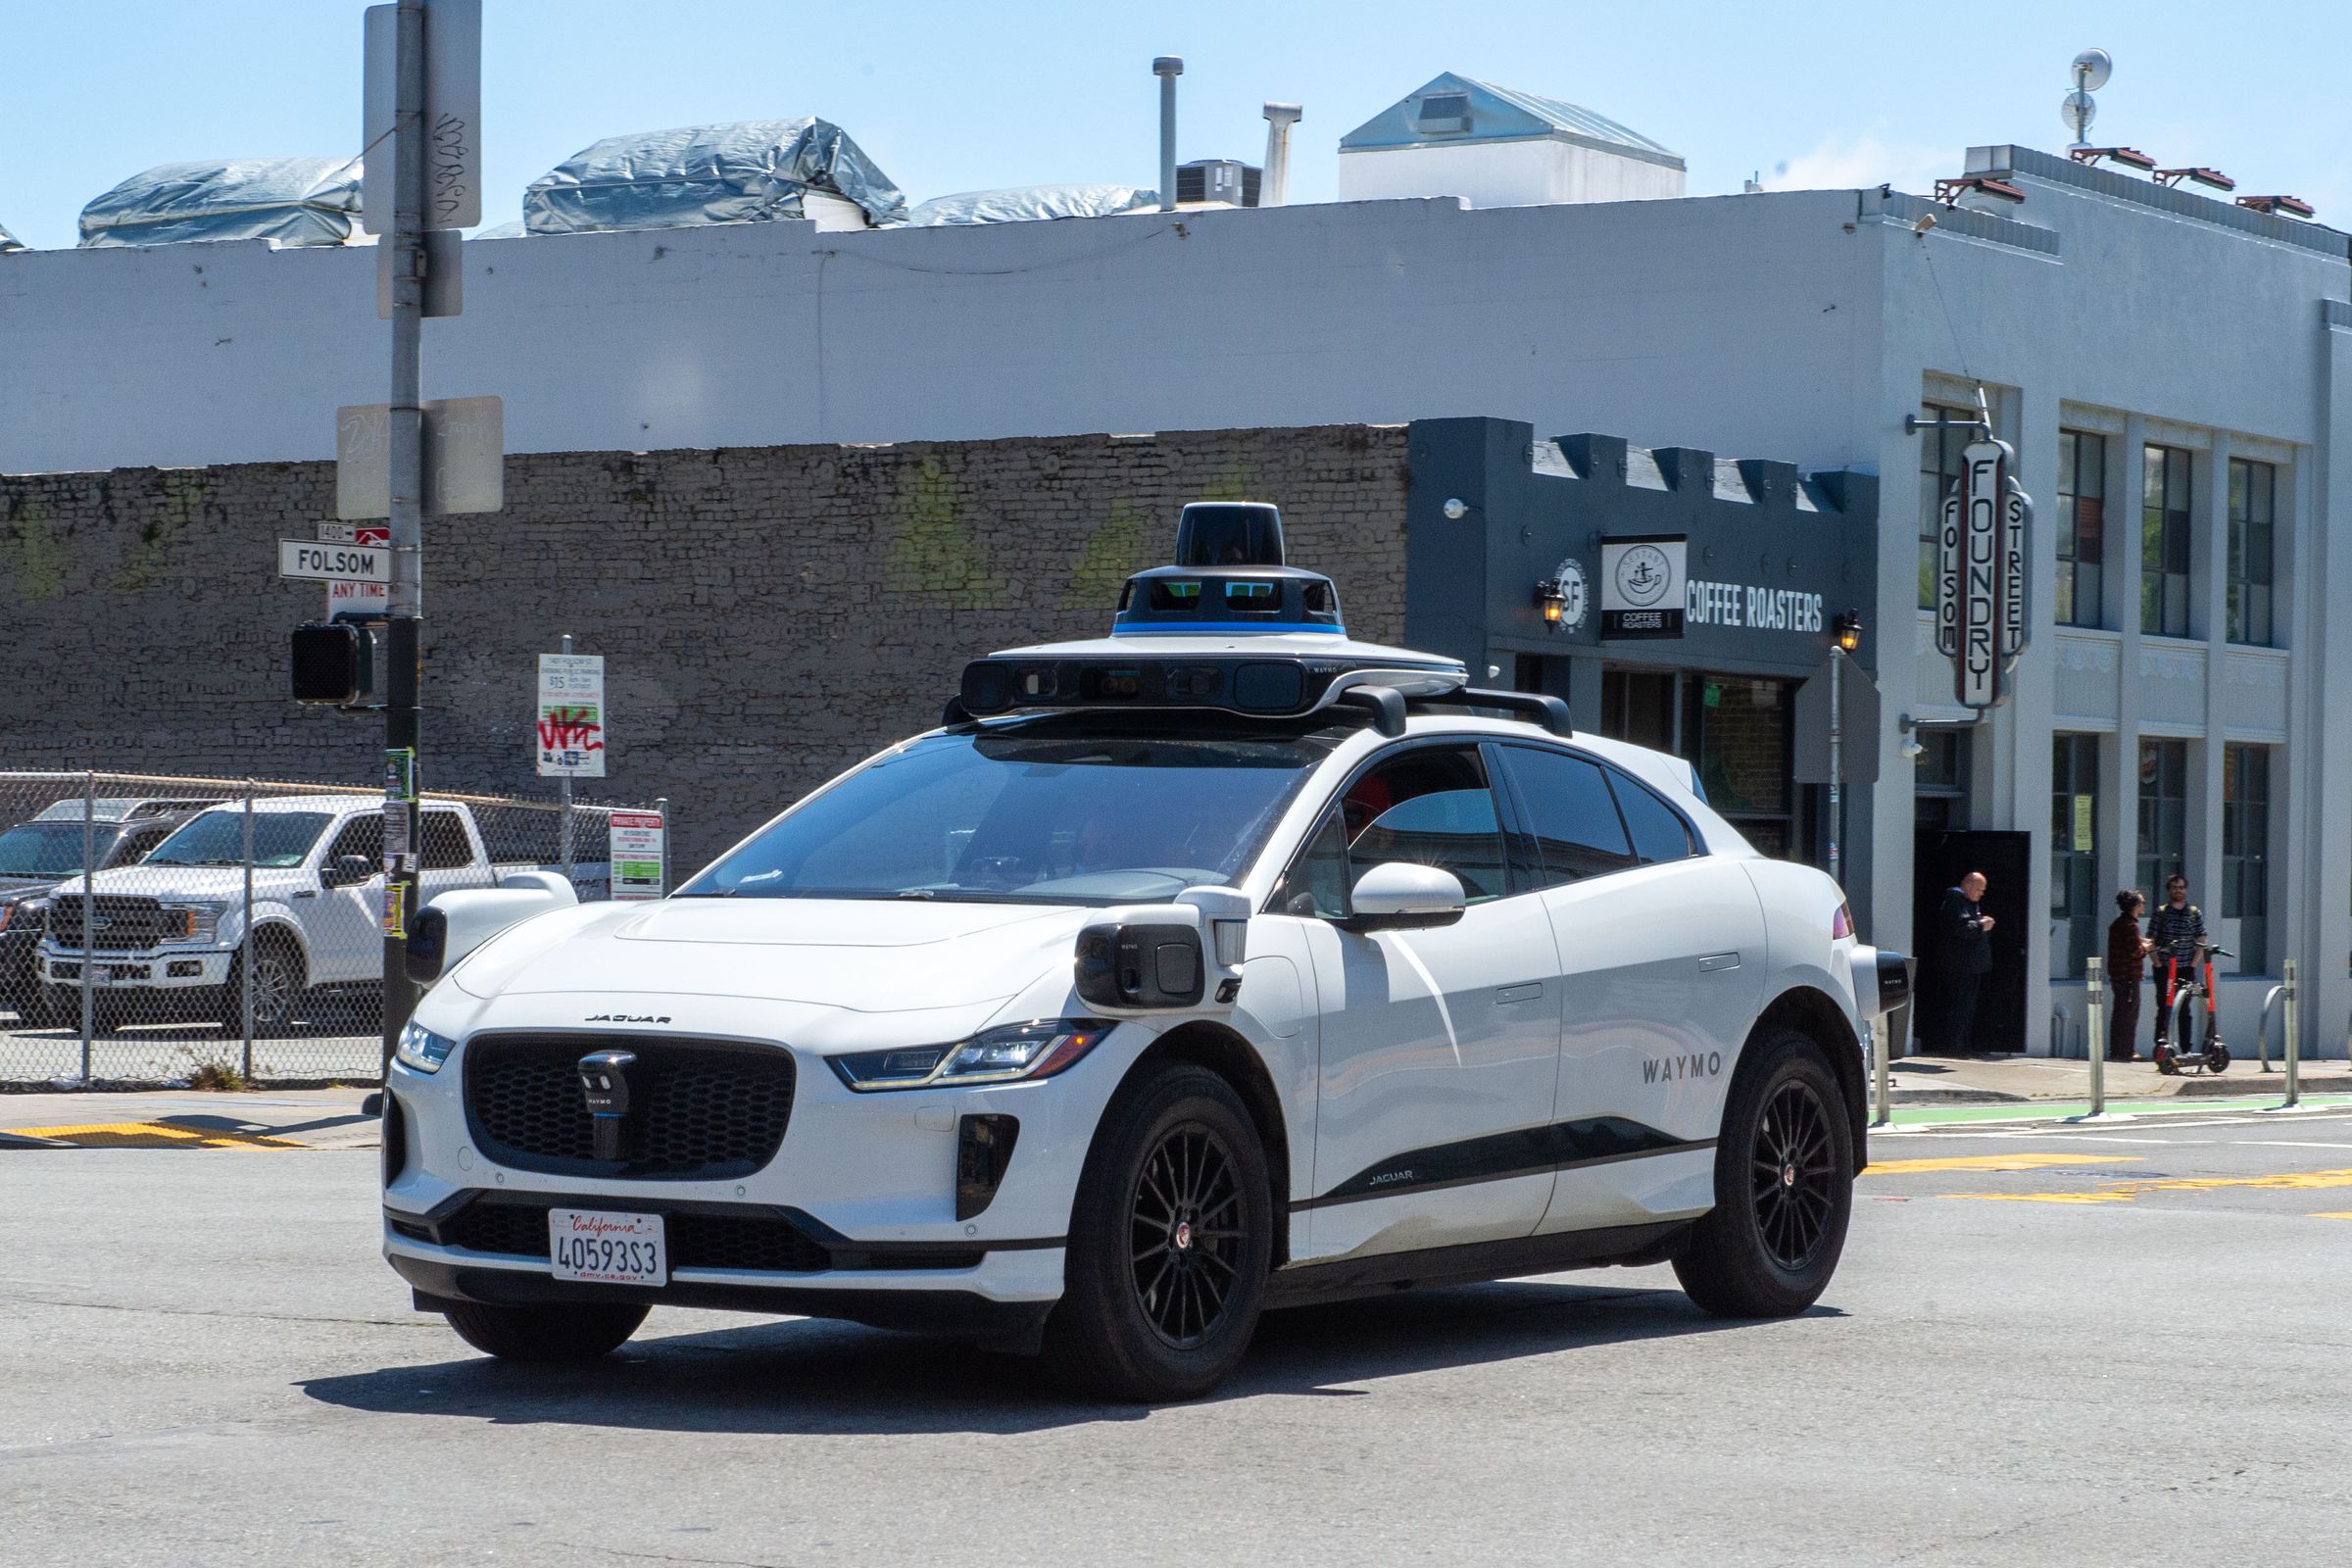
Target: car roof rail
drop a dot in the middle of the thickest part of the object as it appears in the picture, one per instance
(1536, 707)
(1386, 705)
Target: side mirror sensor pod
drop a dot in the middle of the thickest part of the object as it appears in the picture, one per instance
(1166, 958)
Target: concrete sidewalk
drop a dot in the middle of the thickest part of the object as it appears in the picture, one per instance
(187, 1118)
(1987, 1080)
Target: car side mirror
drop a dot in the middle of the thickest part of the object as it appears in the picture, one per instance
(429, 946)
(1399, 896)
(348, 870)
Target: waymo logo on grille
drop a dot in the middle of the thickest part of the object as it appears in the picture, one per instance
(1670, 1070)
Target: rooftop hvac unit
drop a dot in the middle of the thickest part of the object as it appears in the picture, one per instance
(1224, 180)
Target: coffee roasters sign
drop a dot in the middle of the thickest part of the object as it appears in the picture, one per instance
(1980, 574)
(1641, 579)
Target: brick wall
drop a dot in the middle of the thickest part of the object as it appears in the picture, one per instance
(769, 615)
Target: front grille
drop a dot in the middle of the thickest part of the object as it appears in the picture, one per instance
(694, 1241)
(699, 1111)
(124, 924)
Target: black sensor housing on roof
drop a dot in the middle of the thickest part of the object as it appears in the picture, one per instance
(1229, 533)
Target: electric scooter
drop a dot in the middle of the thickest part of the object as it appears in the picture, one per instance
(2213, 1057)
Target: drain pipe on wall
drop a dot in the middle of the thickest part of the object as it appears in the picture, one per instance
(1274, 184)
(1167, 67)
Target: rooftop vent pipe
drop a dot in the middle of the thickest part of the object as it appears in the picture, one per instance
(1274, 187)
(1167, 67)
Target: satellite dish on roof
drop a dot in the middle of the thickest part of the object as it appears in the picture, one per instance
(2093, 68)
(2075, 112)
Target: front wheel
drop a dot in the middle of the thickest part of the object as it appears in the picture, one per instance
(1170, 1240)
(566, 1331)
(1784, 1188)
(2217, 1056)
(277, 987)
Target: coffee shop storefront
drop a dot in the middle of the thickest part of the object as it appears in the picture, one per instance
(1672, 598)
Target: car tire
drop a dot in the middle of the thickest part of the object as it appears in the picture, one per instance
(1171, 1238)
(277, 987)
(1784, 1187)
(45, 1008)
(552, 1331)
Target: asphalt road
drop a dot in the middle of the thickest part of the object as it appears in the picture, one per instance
(2133, 1350)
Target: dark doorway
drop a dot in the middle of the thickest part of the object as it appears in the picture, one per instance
(1940, 860)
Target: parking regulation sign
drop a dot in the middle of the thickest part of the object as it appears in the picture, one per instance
(570, 733)
(636, 854)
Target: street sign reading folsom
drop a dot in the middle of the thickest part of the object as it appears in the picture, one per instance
(332, 563)
(1980, 574)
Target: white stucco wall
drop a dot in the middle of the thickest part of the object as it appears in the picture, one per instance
(1504, 173)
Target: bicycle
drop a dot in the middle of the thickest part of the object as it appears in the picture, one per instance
(2212, 1057)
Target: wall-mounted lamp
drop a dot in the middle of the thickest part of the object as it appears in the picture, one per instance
(1553, 600)
(1847, 630)
(1455, 508)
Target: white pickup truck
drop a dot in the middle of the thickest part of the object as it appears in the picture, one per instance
(166, 937)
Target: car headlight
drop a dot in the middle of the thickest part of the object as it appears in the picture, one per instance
(193, 920)
(421, 1049)
(1036, 1050)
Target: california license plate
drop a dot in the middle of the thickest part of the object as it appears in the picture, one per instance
(605, 1248)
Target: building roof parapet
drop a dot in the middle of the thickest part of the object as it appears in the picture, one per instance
(1766, 482)
(2028, 164)
(1901, 207)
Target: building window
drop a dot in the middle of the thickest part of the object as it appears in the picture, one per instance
(1738, 734)
(2081, 526)
(2164, 546)
(2246, 852)
(2073, 853)
(1940, 463)
(2253, 488)
(1941, 783)
(2163, 815)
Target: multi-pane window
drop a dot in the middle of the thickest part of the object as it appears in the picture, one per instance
(2074, 847)
(2081, 526)
(2245, 852)
(2164, 545)
(2163, 815)
(1941, 457)
(2253, 491)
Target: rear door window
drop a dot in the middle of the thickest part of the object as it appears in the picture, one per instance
(1571, 813)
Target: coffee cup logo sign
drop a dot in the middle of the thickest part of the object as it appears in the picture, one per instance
(1980, 574)
(1642, 586)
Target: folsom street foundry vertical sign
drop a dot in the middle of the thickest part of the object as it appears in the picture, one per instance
(1980, 574)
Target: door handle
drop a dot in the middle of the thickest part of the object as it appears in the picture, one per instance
(1719, 960)
(1528, 992)
(306, 893)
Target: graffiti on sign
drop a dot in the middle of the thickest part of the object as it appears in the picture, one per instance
(570, 733)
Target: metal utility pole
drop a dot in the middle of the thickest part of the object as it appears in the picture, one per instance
(563, 794)
(406, 476)
(1837, 761)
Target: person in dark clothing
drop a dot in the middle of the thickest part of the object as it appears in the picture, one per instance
(2126, 959)
(1964, 944)
(2177, 939)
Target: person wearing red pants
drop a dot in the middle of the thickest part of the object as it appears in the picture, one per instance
(2127, 963)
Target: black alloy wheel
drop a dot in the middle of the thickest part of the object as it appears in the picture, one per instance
(1186, 1251)
(1783, 1185)
(1796, 1179)
(1171, 1239)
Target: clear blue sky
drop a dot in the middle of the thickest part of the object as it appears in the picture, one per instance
(959, 96)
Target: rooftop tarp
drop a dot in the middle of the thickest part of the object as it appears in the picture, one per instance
(1021, 204)
(8, 241)
(1501, 114)
(750, 172)
(294, 201)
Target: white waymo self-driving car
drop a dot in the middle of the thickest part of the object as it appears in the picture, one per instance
(1221, 965)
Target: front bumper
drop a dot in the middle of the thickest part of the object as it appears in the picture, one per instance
(150, 969)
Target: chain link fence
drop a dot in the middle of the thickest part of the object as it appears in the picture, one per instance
(161, 931)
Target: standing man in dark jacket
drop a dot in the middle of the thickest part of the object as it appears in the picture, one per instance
(2176, 933)
(1964, 943)
(2127, 958)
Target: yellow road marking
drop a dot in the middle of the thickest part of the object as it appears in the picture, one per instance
(2339, 1214)
(1907, 1167)
(151, 1135)
(2129, 1190)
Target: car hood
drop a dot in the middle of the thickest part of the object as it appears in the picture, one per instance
(145, 881)
(863, 955)
(16, 889)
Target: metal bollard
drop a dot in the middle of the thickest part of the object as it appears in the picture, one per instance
(1882, 1076)
(2094, 1011)
(2295, 1038)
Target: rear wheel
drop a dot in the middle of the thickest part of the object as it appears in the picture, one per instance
(1784, 1188)
(1170, 1240)
(552, 1331)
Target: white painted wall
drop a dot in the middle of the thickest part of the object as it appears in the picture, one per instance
(1504, 173)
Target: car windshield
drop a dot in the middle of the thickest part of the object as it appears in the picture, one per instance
(46, 849)
(1033, 815)
(217, 838)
